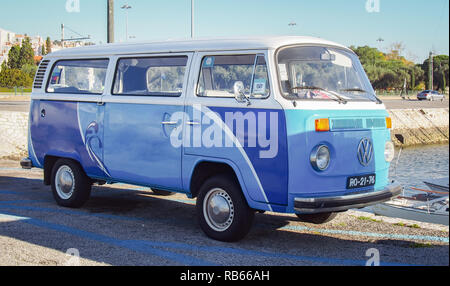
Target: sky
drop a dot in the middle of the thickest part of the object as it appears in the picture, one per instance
(421, 25)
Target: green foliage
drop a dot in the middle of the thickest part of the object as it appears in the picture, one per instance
(14, 57)
(389, 71)
(14, 78)
(21, 68)
(368, 56)
(48, 46)
(26, 56)
(29, 70)
(440, 71)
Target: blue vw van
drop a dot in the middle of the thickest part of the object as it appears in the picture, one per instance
(277, 124)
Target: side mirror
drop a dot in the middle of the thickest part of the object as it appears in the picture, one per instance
(239, 94)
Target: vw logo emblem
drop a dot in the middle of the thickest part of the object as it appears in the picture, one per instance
(365, 152)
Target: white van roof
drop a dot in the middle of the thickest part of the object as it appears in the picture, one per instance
(173, 46)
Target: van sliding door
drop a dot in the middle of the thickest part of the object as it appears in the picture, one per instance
(142, 117)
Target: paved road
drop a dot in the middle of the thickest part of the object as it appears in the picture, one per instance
(414, 104)
(23, 106)
(125, 225)
(18, 106)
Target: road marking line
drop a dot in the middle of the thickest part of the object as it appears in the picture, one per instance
(370, 234)
(128, 244)
(69, 212)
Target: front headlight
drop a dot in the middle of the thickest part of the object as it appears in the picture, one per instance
(389, 151)
(320, 158)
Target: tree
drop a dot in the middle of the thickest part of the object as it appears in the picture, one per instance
(4, 66)
(440, 71)
(368, 55)
(389, 71)
(26, 56)
(14, 57)
(395, 51)
(43, 50)
(29, 70)
(14, 78)
(417, 77)
(48, 46)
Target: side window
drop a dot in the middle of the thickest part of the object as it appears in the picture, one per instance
(219, 74)
(158, 76)
(78, 76)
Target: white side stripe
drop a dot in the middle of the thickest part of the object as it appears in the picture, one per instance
(230, 135)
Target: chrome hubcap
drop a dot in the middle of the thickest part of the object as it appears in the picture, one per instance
(65, 182)
(218, 209)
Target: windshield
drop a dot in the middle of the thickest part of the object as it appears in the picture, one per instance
(323, 73)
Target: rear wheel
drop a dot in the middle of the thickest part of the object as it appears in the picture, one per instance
(222, 210)
(317, 218)
(71, 187)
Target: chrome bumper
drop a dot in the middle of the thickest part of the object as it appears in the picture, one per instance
(26, 163)
(343, 203)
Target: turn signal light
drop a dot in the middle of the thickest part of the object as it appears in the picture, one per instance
(322, 125)
(389, 122)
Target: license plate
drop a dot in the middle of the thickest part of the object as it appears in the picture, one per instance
(360, 181)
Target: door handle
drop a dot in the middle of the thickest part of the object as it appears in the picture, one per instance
(193, 123)
(169, 122)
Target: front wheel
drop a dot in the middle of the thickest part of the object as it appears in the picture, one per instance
(222, 210)
(71, 187)
(317, 218)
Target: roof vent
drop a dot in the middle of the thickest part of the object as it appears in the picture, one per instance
(39, 78)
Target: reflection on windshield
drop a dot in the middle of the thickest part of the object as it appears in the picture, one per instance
(323, 73)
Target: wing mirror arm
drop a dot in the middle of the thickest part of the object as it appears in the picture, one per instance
(239, 94)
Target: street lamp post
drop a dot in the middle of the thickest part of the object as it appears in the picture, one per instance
(430, 72)
(126, 7)
(192, 19)
(380, 42)
(110, 21)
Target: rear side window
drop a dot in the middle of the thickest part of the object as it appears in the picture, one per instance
(220, 73)
(78, 76)
(157, 76)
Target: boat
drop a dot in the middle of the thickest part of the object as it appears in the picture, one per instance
(431, 206)
(439, 185)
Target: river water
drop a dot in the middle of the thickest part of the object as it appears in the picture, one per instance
(417, 164)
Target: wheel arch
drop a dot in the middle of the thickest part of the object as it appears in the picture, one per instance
(206, 169)
(50, 161)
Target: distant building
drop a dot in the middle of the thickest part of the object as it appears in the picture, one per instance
(6, 40)
(9, 39)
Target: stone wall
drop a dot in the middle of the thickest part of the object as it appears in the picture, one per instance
(420, 126)
(13, 135)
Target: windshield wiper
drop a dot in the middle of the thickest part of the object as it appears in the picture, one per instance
(338, 98)
(365, 91)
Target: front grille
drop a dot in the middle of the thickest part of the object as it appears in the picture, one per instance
(342, 124)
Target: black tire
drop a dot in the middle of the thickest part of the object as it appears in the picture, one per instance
(82, 184)
(161, 193)
(317, 218)
(241, 215)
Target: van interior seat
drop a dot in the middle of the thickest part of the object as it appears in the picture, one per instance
(134, 79)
